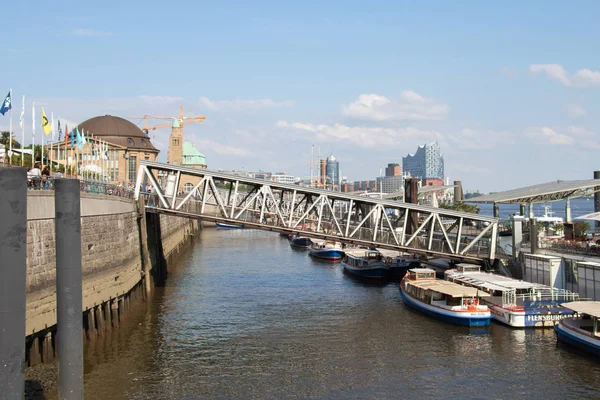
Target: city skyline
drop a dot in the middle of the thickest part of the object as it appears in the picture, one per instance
(499, 91)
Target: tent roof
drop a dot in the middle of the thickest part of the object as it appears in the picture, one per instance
(584, 307)
(541, 193)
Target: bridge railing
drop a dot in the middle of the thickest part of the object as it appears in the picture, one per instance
(316, 213)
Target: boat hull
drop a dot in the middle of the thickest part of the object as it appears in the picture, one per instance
(528, 318)
(575, 338)
(454, 317)
(222, 226)
(374, 273)
(301, 243)
(327, 254)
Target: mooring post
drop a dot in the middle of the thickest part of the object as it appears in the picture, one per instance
(67, 203)
(13, 274)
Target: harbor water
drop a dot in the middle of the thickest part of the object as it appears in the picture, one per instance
(244, 316)
(579, 207)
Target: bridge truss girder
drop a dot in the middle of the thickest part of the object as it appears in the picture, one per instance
(253, 203)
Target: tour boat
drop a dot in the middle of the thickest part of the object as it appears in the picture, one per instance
(222, 225)
(399, 263)
(442, 299)
(514, 302)
(365, 264)
(582, 331)
(326, 250)
(301, 242)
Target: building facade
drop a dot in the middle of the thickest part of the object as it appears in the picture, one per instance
(332, 171)
(283, 178)
(393, 169)
(189, 157)
(426, 163)
(390, 184)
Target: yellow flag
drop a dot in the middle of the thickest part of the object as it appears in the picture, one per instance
(45, 123)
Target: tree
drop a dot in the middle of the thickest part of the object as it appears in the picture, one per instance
(581, 229)
(4, 138)
(464, 207)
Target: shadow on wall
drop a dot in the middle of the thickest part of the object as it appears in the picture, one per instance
(155, 249)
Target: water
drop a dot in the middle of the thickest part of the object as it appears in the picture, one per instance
(580, 206)
(246, 317)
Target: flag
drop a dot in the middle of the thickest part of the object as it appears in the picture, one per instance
(79, 139)
(52, 124)
(22, 117)
(60, 132)
(45, 123)
(6, 105)
(70, 137)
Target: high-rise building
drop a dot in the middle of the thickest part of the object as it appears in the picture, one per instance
(426, 163)
(332, 171)
(393, 169)
(390, 184)
(322, 171)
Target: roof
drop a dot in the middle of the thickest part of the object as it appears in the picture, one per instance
(593, 216)
(449, 288)
(118, 131)
(191, 155)
(541, 193)
(584, 307)
(492, 281)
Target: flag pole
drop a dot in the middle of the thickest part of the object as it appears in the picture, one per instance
(32, 134)
(10, 132)
(52, 140)
(23, 133)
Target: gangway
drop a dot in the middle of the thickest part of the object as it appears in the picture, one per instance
(316, 213)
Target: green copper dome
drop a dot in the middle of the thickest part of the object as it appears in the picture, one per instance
(192, 156)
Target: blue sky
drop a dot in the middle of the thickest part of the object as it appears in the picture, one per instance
(510, 90)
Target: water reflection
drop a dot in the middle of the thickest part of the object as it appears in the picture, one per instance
(245, 316)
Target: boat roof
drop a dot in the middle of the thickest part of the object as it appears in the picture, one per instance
(591, 308)
(422, 270)
(492, 281)
(449, 288)
(360, 252)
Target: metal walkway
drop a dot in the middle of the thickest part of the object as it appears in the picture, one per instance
(259, 204)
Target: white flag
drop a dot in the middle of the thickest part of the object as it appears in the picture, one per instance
(52, 126)
(22, 117)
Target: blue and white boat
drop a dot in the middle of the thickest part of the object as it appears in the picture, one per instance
(365, 264)
(222, 225)
(326, 250)
(444, 300)
(582, 331)
(514, 302)
(301, 242)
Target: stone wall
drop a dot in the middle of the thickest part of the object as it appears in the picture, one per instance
(111, 253)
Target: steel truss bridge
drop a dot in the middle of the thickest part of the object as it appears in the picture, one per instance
(316, 213)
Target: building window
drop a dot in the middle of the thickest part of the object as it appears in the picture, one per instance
(175, 142)
(132, 168)
(188, 187)
(130, 142)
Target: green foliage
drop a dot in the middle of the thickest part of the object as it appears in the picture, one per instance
(581, 229)
(464, 207)
(4, 138)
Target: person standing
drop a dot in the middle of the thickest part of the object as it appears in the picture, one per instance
(45, 177)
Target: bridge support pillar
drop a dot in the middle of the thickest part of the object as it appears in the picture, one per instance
(146, 262)
(522, 209)
(496, 210)
(458, 192)
(411, 195)
(568, 210)
(517, 233)
(13, 253)
(533, 235)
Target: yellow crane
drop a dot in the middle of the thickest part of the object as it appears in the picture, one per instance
(183, 120)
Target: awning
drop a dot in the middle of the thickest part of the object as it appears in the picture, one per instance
(584, 307)
(593, 216)
(449, 288)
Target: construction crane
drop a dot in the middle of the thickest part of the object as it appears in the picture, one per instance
(183, 120)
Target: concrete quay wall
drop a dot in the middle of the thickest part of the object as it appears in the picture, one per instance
(113, 247)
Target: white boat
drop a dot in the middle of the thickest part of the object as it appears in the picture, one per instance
(582, 331)
(513, 302)
(326, 250)
(548, 217)
(444, 300)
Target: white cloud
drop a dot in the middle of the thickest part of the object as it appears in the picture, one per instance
(239, 105)
(90, 33)
(548, 136)
(158, 100)
(469, 139)
(575, 111)
(582, 78)
(219, 148)
(362, 136)
(554, 71)
(409, 106)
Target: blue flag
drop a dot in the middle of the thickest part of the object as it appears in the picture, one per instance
(6, 105)
(79, 140)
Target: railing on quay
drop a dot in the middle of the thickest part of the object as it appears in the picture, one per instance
(85, 186)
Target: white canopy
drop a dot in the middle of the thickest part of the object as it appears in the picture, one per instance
(584, 307)
(593, 216)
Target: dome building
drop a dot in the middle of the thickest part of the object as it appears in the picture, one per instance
(193, 158)
(127, 145)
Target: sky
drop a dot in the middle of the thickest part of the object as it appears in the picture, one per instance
(509, 89)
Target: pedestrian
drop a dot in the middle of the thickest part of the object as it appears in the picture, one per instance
(36, 175)
(45, 177)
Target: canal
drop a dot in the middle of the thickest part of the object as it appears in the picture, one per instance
(246, 317)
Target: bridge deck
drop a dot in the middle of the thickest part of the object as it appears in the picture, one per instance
(343, 217)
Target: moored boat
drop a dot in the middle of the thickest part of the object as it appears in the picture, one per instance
(582, 331)
(513, 302)
(442, 299)
(301, 242)
(399, 262)
(365, 264)
(326, 250)
(222, 225)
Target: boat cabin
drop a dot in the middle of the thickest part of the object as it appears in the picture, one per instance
(417, 274)
(588, 316)
(357, 259)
